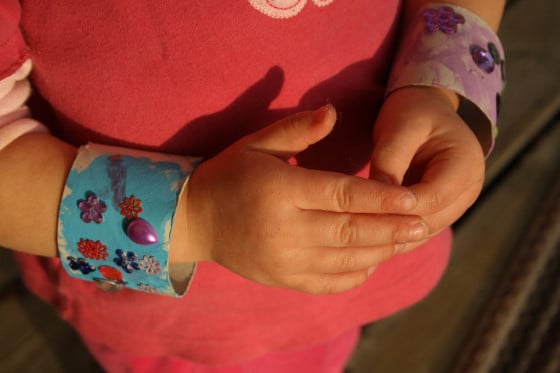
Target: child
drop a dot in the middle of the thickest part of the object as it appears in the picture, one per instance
(296, 248)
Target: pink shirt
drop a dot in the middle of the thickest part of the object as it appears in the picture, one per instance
(190, 77)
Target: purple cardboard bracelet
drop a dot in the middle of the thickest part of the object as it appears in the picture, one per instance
(116, 217)
(450, 47)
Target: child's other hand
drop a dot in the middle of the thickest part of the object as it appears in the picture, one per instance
(421, 142)
(282, 225)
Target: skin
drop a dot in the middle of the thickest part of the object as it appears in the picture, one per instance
(421, 142)
(312, 230)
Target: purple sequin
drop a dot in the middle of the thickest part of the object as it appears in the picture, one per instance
(483, 58)
(92, 209)
(444, 19)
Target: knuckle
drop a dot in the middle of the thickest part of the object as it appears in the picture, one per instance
(347, 233)
(342, 196)
(329, 287)
(291, 124)
(397, 235)
(438, 200)
(346, 262)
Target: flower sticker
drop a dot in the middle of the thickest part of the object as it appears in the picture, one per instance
(80, 264)
(92, 208)
(131, 207)
(150, 265)
(444, 19)
(147, 288)
(126, 261)
(93, 249)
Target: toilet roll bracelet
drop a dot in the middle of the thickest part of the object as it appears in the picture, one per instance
(116, 216)
(450, 47)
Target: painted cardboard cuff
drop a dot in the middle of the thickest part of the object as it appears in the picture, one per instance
(448, 46)
(116, 216)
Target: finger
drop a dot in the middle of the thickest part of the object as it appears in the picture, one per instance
(330, 260)
(448, 176)
(293, 134)
(396, 142)
(410, 246)
(329, 191)
(450, 214)
(330, 229)
(329, 283)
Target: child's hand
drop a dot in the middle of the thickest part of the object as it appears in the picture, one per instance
(421, 142)
(283, 225)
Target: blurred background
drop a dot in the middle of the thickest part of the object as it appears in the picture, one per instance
(497, 309)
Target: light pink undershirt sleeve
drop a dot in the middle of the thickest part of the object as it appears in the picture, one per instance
(15, 118)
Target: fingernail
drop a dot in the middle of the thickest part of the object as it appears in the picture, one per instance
(370, 271)
(320, 114)
(418, 231)
(409, 201)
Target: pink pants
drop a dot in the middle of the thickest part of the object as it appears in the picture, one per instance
(329, 357)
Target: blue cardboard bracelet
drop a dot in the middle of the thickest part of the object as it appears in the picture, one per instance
(116, 216)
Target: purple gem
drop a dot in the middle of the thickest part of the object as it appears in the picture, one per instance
(482, 58)
(142, 232)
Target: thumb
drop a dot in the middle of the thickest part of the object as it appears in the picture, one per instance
(293, 134)
(396, 142)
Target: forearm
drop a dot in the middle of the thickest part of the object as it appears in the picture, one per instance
(490, 11)
(34, 169)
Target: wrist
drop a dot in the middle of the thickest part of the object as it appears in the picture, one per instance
(442, 95)
(181, 250)
(451, 97)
